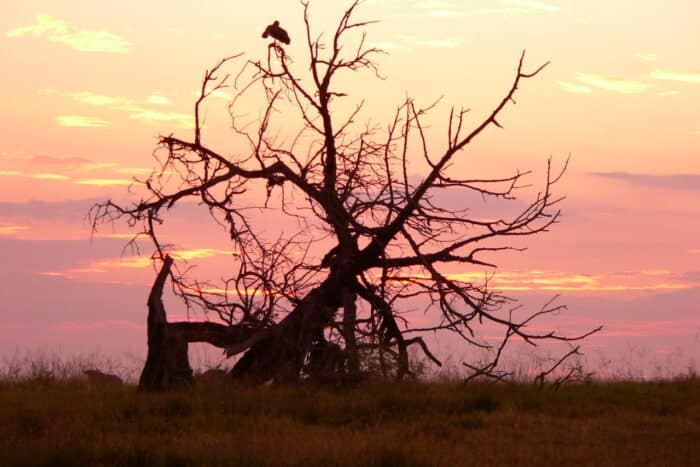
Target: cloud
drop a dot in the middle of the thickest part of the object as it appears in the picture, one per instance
(681, 76)
(87, 97)
(136, 110)
(534, 5)
(145, 261)
(158, 99)
(81, 121)
(446, 13)
(49, 176)
(183, 120)
(574, 88)
(78, 326)
(647, 57)
(674, 182)
(12, 229)
(62, 161)
(125, 269)
(518, 7)
(440, 43)
(136, 170)
(82, 40)
(497, 11)
(10, 173)
(92, 166)
(558, 281)
(133, 262)
(388, 46)
(422, 8)
(104, 181)
(447, 10)
(610, 83)
(45, 167)
(200, 253)
(693, 276)
(75, 209)
(127, 236)
(69, 163)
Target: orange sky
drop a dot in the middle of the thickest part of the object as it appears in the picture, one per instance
(88, 86)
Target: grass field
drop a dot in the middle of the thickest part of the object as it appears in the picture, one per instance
(617, 423)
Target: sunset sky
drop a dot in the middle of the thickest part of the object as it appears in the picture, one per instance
(88, 86)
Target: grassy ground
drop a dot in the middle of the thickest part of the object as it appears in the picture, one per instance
(620, 423)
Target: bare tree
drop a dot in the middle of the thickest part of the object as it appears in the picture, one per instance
(292, 306)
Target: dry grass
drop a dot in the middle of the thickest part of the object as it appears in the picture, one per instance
(622, 423)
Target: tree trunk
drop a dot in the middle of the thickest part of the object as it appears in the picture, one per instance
(278, 353)
(167, 364)
(349, 322)
(281, 356)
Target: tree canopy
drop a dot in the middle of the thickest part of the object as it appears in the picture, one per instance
(363, 235)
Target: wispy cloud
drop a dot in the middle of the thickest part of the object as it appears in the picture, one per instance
(421, 8)
(50, 176)
(82, 40)
(158, 99)
(115, 235)
(647, 57)
(58, 161)
(507, 11)
(611, 83)
(449, 9)
(574, 88)
(682, 76)
(104, 181)
(72, 163)
(81, 121)
(692, 275)
(200, 253)
(92, 166)
(441, 43)
(515, 7)
(557, 281)
(534, 5)
(76, 169)
(12, 229)
(136, 110)
(87, 97)
(674, 181)
(136, 170)
(182, 120)
(387, 46)
(135, 262)
(75, 326)
(109, 266)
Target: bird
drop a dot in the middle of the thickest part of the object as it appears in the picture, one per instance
(276, 32)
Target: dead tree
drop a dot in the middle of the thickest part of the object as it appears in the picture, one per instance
(361, 235)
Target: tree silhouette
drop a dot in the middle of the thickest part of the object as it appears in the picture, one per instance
(323, 300)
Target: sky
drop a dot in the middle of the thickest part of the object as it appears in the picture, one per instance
(88, 87)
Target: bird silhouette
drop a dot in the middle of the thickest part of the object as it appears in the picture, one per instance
(276, 32)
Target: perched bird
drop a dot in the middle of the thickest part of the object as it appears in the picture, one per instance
(276, 32)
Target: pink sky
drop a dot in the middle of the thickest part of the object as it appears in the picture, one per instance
(88, 86)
